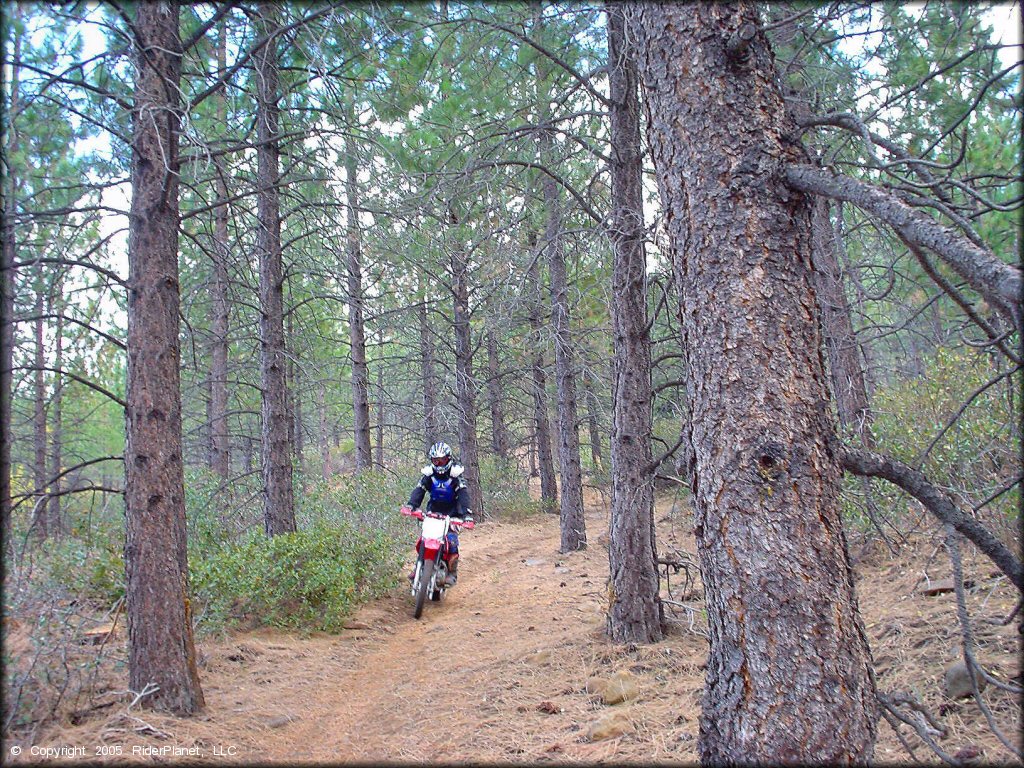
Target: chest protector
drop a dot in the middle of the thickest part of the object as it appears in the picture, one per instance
(442, 490)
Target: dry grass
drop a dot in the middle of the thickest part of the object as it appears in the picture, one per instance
(498, 671)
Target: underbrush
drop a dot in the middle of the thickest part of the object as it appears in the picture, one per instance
(506, 491)
(63, 624)
(306, 580)
(959, 424)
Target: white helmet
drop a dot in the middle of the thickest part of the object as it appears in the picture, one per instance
(441, 458)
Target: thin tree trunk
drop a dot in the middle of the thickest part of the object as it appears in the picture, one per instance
(573, 523)
(789, 670)
(325, 450)
(845, 367)
(593, 423)
(356, 327)
(161, 652)
(574, 530)
(634, 609)
(465, 383)
(7, 276)
(55, 515)
(39, 442)
(427, 368)
(380, 412)
(295, 403)
(499, 432)
(542, 428)
(220, 451)
(279, 509)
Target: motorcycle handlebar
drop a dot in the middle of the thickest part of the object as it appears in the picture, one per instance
(418, 514)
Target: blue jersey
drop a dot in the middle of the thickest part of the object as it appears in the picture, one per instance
(447, 494)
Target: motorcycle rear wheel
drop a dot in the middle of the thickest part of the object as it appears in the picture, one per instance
(426, 569)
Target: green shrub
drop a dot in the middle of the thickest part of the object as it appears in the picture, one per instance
(975, 457)
(93, 573)
(505, 490)
(310, 579)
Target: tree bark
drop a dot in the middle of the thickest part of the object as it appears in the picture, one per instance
(1000, 283)
(279, 501)
(634, 610)
(870, 464)
(499, 432)
(356, 325)
(8, 249)
(220, 450)
(593, 422)
(161, 652)
(846, 369)
(573, 523)
(789, 670)
(465, 384)
(542, 427)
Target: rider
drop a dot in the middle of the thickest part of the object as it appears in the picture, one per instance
(443, 480)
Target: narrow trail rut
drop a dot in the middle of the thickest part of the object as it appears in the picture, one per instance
(427, 686)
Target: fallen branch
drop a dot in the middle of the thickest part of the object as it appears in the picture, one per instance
(974, 669)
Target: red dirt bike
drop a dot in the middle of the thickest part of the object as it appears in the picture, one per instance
(432, 555)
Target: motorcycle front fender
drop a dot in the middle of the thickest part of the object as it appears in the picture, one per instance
(430, 548)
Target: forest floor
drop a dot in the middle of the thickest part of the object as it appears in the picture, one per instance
(499, 671)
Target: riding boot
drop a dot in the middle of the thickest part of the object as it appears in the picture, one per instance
(453, 567)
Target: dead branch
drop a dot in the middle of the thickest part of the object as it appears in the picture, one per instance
(864, 462)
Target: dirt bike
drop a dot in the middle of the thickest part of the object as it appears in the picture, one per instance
(432, 555)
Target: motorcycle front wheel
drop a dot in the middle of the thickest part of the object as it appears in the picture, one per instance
(426, 569)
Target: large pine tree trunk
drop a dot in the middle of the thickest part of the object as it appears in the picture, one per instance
(160, 646)
(788, 674)
(542, 426)
(634, 610)
(356, 326)
(465, 384)
(279, 509)
(219, 450)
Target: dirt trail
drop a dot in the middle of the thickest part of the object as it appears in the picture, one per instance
(498, 667)
(519, 637)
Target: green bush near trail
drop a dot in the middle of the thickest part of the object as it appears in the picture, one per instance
(975, 451)
(310, 579)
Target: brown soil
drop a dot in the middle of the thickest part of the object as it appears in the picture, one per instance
(498, 671)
